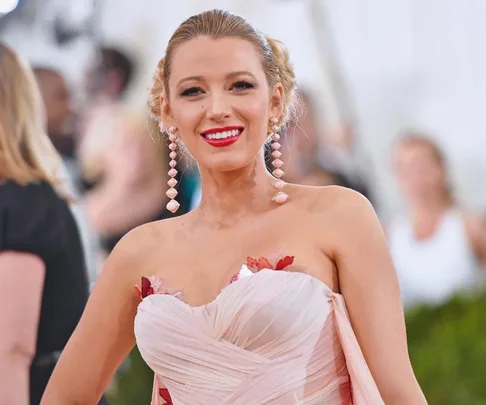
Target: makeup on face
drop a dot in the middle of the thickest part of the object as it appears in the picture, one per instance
(221, 137)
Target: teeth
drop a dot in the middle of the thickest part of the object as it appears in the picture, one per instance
(223, 135)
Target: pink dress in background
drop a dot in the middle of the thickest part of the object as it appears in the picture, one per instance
(269, 338)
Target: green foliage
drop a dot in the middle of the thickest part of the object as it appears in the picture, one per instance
(448, 350)
(133, 382)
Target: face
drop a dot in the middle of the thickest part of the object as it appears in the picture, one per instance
(419, 171)
(220, 101)
(57, 103)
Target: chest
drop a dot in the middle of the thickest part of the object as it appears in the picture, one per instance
(204, 263)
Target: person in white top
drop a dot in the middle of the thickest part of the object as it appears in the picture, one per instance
(438, 249)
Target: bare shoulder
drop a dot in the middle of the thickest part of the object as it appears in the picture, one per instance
(474, 222)
(135, 254)
(338, 202)
(475, 226)
(334, 213)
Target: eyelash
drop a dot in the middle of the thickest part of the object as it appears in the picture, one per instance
(243, 84)
(240, 85)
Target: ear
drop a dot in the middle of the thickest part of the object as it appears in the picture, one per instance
(166, 113)
(276, 100)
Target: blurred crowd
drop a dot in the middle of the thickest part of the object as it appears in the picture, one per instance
(116, 165)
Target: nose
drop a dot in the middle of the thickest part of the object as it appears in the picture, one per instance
(219, 108)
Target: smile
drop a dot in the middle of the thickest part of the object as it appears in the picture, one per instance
(219, 137)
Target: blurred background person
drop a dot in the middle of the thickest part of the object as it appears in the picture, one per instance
(364, 74)
(57, 98)
(125, 173)
(318, 176)
(439, 249)
(311, 160)
(60, 116)
(303, 140)
(106, 82)
(43, 281)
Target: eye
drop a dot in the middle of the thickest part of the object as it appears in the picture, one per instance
(191, 92)
(242, 85)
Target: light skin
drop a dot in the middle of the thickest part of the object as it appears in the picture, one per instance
(423, 180)
(20, 273)
(57, 101)
(333, 233)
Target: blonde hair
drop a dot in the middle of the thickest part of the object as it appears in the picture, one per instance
(26, 152)
(218, 24)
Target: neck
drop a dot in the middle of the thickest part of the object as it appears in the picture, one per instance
(237, 194)
(430, 206)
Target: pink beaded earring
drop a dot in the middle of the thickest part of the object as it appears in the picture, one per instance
(280, 197)
(172, 205)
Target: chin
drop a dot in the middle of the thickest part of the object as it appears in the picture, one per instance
(226, 162)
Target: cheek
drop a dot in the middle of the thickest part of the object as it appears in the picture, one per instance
(187, 116)
(438, 176)
(255, 112)
(408, 174)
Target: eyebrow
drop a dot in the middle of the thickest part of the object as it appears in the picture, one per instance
(228, 76)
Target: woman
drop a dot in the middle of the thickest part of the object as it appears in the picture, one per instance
(271, 337)
(43, 285)
(437, 247)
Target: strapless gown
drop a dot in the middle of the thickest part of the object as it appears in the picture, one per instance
(272, 337)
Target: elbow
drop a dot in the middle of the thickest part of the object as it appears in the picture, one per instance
(56, 394)
(57, 400)
(17, 355)
(53, 396)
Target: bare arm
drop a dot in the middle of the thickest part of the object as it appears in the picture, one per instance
(21, 283)
(104, 335)
(370, 287)
(476, 231)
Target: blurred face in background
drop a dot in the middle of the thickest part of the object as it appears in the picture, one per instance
(302, 135)
(420, 170)
(301, 143)
(57, 102)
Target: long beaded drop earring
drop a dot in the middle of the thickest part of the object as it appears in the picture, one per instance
(280, 197)
(172, 205)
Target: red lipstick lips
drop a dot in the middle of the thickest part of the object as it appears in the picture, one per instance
(224, 136)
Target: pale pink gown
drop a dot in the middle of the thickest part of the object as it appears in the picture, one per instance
(272, 337)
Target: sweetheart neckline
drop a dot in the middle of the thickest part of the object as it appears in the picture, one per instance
(229, 286)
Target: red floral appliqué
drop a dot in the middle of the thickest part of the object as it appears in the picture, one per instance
(153, 285)
(164, 393)
(263, 263)
(146, 288)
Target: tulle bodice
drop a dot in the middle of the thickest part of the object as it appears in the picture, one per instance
(276, 338)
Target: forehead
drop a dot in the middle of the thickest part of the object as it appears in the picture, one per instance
(208, 57)
(50, 81)
(415, 151)
(415, 147)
